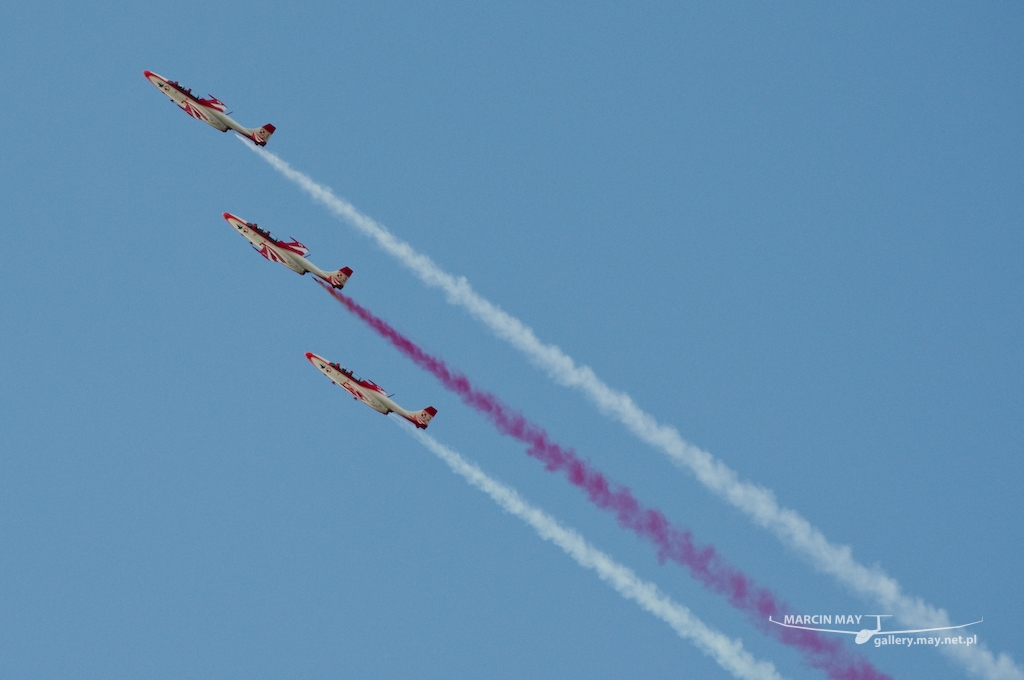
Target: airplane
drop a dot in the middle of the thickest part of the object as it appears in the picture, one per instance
(289, 253)
(369, 392)
(866, 634)
(211, 111)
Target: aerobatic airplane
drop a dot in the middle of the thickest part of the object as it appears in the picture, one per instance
(369, 392)
(211, 111)
(289, 253)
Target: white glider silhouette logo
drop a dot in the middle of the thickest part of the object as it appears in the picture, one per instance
(866, 634)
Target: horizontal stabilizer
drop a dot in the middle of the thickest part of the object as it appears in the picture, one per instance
(262, 135)
(338, 278)
(422, 418)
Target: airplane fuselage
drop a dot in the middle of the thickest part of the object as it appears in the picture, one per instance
(290, 254)
(211, 111)
(368, 392)
(365, 391)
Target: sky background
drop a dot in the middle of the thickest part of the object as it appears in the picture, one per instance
(791, 231)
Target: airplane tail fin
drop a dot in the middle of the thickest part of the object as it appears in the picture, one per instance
(339, 278)
(262, 135)
(422, 418)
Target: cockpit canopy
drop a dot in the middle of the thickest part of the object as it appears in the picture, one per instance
(262, 232)
(179, 88)
(344, 371)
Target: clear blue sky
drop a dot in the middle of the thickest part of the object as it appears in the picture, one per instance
(794, 232)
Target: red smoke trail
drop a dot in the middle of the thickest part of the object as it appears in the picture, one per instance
(677, 545)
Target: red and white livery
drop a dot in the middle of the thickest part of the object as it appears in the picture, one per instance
(369, 392)
(291, 254)
(210, 110)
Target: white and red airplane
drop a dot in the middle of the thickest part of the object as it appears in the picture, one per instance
(369, 392)
(289, 253)
(211, 111)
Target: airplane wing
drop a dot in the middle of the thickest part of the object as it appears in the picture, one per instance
(197, 111)
(269, 253)
(929, 630)
(295, 247)
(213, 103)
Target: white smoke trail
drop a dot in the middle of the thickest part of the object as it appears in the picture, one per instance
(728, 653)
(757, 502)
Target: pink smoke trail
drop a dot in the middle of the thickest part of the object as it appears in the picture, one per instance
(674, 544)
